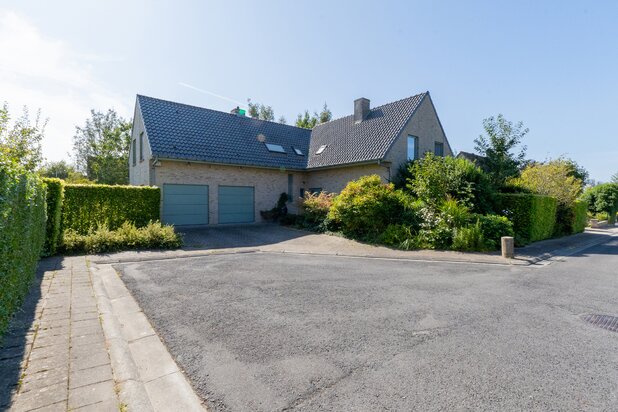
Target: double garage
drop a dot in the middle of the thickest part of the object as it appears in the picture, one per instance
(185, 204)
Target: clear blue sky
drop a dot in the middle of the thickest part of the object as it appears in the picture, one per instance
(551, 64)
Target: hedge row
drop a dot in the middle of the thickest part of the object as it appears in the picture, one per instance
(22, 234)
(580, 217)
(533, 216)
(55, 195)
(87, 207)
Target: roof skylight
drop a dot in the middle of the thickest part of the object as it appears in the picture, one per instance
(298, 151)
(321, 149)
(277, 148)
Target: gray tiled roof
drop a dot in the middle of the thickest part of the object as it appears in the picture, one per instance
(179, 131)
(349, 142)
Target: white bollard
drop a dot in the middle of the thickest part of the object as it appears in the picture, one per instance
(508, 247)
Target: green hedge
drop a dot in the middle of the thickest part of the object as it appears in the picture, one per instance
(580, 217)
(22, 234)
(55, 195)
(87, 207)
(533, 216)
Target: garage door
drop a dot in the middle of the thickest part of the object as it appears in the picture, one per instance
(236, 204)
(185, 204)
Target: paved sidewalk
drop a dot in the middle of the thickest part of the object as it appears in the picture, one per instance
(54, 357)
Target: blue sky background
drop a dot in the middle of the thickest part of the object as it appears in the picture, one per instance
(551, 64)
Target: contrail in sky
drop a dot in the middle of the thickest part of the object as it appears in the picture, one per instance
(211, 93)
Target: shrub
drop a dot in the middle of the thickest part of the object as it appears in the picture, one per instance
(365, 207)
(127, 237)
(395, 235)
(550, 179)
(315, 207)
(22, 234)
(434, 179)
(469, 238)
(55, 196)
(533, 216)
(580, 217)
(493, 228)
(278, 211)
(88, 207)
(603, 199)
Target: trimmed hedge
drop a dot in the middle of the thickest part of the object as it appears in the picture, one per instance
(88, 207)
(580, 217)
(55, 195)
(533, 216)
(22, 234)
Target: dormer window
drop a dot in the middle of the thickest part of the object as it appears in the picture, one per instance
(276, 148)
(321, 149)
(298, 151)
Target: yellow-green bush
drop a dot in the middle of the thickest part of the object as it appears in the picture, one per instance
(55, 196)
(22, 234)
(580, 217)
(126, 237)
(533, 216)
(88, 207)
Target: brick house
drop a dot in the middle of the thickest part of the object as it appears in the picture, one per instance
(216, 167)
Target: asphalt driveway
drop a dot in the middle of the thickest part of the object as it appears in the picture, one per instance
(271, 331)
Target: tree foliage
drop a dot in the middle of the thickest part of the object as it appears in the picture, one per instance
(434, 179)
(21, 142)
(63, 170)
(308, 121)
(261, 111)
(101, 148)
(603, 198)
(554, 178)
(499, 147)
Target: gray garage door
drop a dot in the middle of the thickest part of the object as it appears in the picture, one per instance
(236, 204)
(185, 204)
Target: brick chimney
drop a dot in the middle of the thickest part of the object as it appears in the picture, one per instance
(361, 109)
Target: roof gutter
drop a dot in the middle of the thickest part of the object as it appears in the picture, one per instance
(168, 159)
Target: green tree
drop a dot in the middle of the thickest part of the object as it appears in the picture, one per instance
(261, 111)
(615, 178)
(101, 148)
(576, 170)
(21, 142)
(63, 170)
(499, 148)
(603, 198)
(554, 178)
(307, 121)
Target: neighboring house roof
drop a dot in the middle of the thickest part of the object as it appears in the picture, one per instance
(184, 132)
(350, 142)
(471, 157)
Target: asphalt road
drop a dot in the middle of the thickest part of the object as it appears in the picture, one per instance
(267, 331)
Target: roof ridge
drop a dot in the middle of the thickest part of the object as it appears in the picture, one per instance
(219, 111)
(374, 108)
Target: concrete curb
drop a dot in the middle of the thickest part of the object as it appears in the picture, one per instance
(141, 364)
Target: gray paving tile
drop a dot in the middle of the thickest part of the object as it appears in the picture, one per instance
(88, 340)
(40, 365)
(111, 405)
(90, 376)
(44, 397)
(90, 394)
(44, 379)
(147, 349)
(89, 361)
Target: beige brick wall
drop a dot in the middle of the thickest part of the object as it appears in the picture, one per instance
(424, 125)
(139, 175)
(268, 183)
(334, 180)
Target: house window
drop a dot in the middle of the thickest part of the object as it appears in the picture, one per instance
(290, 186)
(141, 146)
(438, 148)
(298, 151)
(133, 149)
(302, 192)
(412, 147)
(321, 149)
(315, 190)
(277, 148)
